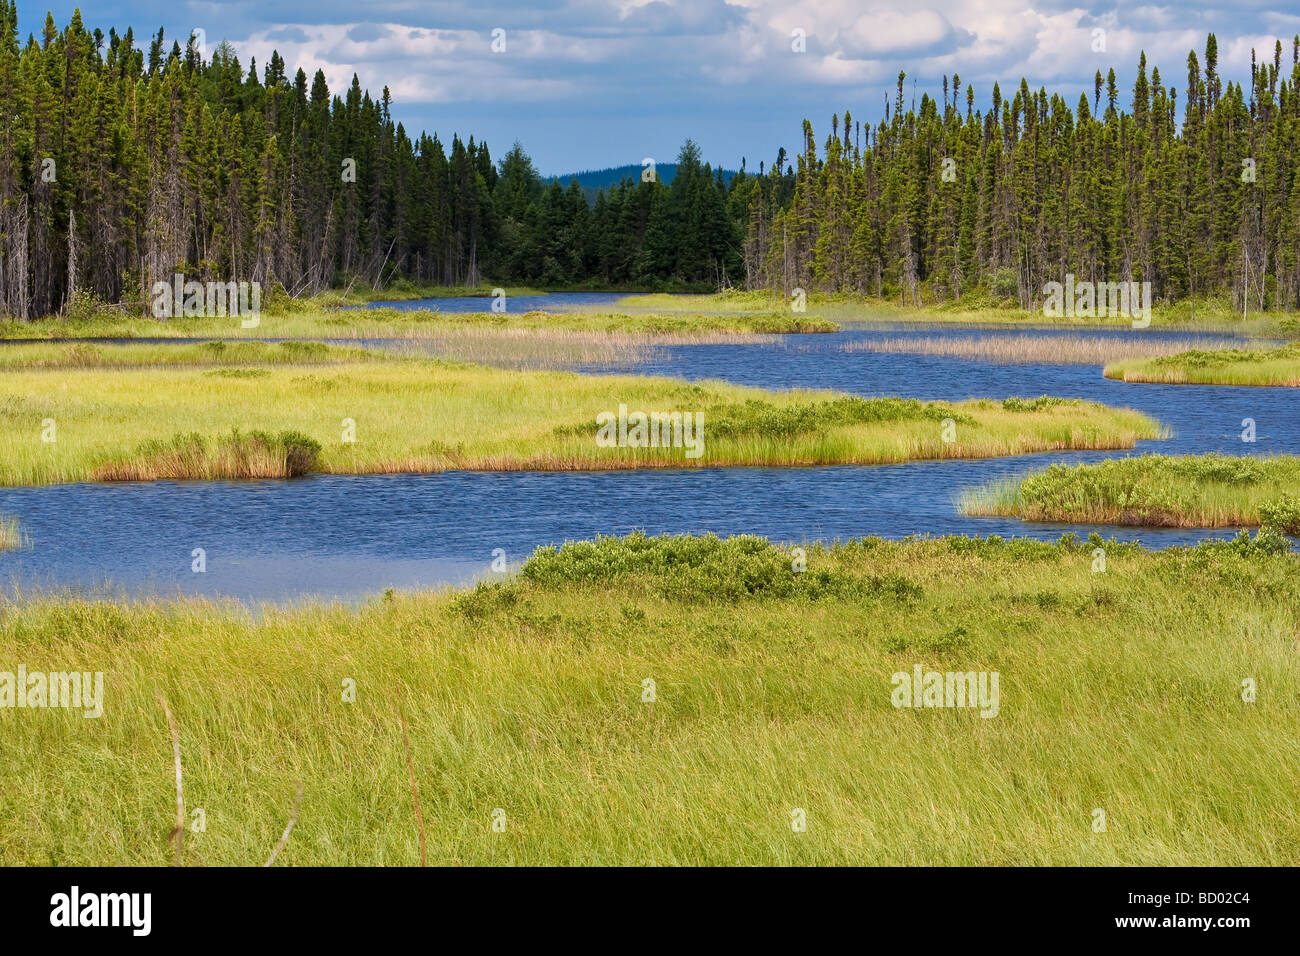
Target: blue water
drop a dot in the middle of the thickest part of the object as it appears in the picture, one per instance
(348, 536)
(1204, 418)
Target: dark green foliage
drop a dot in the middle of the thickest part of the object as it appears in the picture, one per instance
(168, 162)
(690, 568)
(683, 567)
(164, 162)
(938, 202)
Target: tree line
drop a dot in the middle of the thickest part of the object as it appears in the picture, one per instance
(124, 164)
(936, 201)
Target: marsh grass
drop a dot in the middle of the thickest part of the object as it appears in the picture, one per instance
(1265, 367)
(547, 348)
(502, 347)
(979, 308)
(1119, 690)
(256, 454)
(10, 536)
(402, 290)
(427, 416)
(1041, 349)
(323, 321)
(1191, 491)
(214, 353)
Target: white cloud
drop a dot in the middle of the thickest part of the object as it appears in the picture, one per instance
(705, 67)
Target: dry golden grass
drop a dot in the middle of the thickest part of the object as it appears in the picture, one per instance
(234, 456)
(558, 348)
(1037, 349)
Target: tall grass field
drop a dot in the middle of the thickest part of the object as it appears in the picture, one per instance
(687, 701)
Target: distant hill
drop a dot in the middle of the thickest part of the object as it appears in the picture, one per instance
(593, 181)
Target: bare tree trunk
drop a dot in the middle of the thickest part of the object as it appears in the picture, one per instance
(13, 261)
(72, 260)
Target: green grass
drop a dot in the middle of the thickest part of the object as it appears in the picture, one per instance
(214, 353)
(504, 347)
(979, 308)
(322, 318)
(1192, 491)
(419, 415)
(1278, 366)
(1119, 691)
(10, 536)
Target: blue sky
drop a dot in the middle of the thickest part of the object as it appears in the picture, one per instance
(589, 83)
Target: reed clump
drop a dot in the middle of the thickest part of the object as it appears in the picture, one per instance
(239, 455)
(1250, 367)
(1190, 491)
(1034, 349)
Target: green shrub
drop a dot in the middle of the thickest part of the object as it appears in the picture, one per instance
(757, 418)
(1281, 514)
(692, 568)
(1015, 404)
(85, 306)
(1005, 284)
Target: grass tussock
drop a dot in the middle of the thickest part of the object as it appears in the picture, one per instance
(424, 416)
(1261, 367)
(326, 319)
(1036, 349)
(673, 700)
(1191, 491)
(254, 454)
(10, 536)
